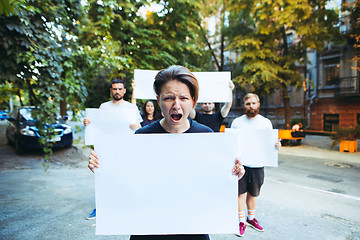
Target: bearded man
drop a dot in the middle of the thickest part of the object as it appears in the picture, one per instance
(249, 185)
(117, 104)
(117, 91)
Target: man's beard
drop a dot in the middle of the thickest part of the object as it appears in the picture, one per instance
(117, 97)
(252, 112)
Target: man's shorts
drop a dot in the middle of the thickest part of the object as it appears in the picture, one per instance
(252, 181)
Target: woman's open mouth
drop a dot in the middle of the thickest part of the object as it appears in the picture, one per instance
(176, 117)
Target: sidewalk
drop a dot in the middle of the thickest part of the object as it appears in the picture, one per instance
(319, 147)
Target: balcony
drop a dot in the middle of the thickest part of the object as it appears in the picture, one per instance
(347, 86)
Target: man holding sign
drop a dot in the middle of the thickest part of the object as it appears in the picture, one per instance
(211, 118)
(249, 185)
(118, 90)
(118, 105)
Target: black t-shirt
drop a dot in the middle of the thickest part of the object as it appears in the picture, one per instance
(213, 121)
(155, 127)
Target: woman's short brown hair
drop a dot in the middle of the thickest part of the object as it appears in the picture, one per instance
(181, 74)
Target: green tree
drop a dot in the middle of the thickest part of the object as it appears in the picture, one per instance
(38, 53)
(215, 41)
(355, 31)
(260, 30)
(118, 38)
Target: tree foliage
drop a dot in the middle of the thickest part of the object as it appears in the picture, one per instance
(117, 38)
(260, 30)
(66, 51)
(39, 56)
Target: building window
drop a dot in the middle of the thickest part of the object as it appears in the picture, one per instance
(331, 122)
(332, 71)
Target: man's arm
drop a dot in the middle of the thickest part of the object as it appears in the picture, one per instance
(227, 106)
(133, 100)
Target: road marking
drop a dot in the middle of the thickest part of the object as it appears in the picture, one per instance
(315, 189)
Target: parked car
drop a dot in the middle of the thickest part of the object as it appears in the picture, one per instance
(3, 115)
(23, 133)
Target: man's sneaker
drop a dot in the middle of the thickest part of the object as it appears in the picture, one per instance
(92, 215)
(255, 225)
(242, 227)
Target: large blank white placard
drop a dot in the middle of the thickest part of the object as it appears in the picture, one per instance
(166, 184)
(213, 86)
(108, 122)
(256, 147)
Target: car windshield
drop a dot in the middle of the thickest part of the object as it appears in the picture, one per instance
(26, 114)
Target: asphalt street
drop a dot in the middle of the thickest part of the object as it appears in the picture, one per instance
(313, 194)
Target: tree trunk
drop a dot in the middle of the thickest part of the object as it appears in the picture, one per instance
(222, 37)
(287, 109)
(286, 98)
(20, 99)
(32, 96)
(63, 107)
(203, 32)
(63, 102)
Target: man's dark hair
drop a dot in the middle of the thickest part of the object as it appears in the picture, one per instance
(117, 81)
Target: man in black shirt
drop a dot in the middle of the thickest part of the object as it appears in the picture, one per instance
(211, 118)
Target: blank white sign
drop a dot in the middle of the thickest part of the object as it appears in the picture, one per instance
(213, 86)
(166, 184)
(108, 122)
(256, 147)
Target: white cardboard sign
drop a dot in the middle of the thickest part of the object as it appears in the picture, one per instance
(213, 86)
(166, 184)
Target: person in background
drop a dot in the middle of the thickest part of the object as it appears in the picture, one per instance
(177, 93)
(211, 118)
(117, 91)
(249, 186)
(149, 113)
(297, 131)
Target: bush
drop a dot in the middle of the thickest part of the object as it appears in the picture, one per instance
(345, 134)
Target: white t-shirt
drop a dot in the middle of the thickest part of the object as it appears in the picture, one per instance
(123, 106)
(258, 122)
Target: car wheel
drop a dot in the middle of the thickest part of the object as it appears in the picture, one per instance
(18, 148)
(69, 145)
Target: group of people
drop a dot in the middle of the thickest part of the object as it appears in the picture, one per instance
(177, 93)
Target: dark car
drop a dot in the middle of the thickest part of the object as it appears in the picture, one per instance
(23, 133)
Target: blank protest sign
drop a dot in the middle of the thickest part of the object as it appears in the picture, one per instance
(213, 86)
(256, 147)
(166, 184)
(108, 122)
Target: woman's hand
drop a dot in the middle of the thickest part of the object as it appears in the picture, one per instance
(238, 169)
(93, 161)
